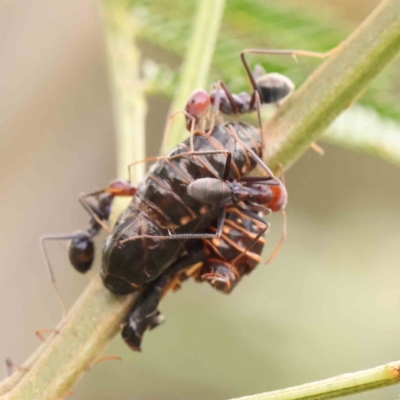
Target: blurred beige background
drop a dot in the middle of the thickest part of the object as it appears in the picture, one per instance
(329, 304)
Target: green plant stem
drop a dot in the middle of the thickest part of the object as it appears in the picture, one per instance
(88, 328)
(130, 107)
(197, 62)
(334, 86)
(341, 385)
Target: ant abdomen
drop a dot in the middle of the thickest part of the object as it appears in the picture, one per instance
(279, 198)
(81, 251)
(272, 87)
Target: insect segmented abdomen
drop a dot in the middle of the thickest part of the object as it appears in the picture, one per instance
(228, 261)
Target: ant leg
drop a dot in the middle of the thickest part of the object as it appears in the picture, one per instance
(39, 333)
(282, 239)
(168, 128)
(267, 84)
(184, 154)
(220, 222)
(144, 314)
(99, 207)
(206, 153)
(282, 173)
(292, 53)
(232, 101)
(221, 274)
(252, 243)
(11, 367)
(227, 168)
(214, 112)
(80, 253)
(93, 210)
(280, 52)
(269, 180)
(106, 358)
(147, 159)
(319, 150)
(253, 154)
(174, 236)
(256, 96)
(50, 270)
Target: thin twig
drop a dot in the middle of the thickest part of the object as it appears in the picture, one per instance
(334, 86)
(197, 62)
(338, 386)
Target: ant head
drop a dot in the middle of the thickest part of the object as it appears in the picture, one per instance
(272, 87)
(198, 103)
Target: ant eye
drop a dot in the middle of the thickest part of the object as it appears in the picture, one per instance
(274, 88)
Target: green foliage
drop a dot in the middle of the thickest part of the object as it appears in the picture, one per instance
(262, 24)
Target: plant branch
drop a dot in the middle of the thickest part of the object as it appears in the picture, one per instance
(338, 386)
(96, 316)
(130, 108)
(88, 328)
(197, 61)
(334, 86)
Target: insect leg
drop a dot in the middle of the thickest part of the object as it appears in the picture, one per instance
(50, 270)
(282, 239)
(183, 154)
(214, 112)
(93, 209)
(191, 125)
(254, 241)
(269, 180)
(144, 314)
(318, 149)
(205, 153)
(11, 367)
(221, 274)
(98, 203)
(253, 154)
(232, 102)
(174, 236)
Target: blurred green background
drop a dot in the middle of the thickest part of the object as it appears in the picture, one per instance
(327, 305)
